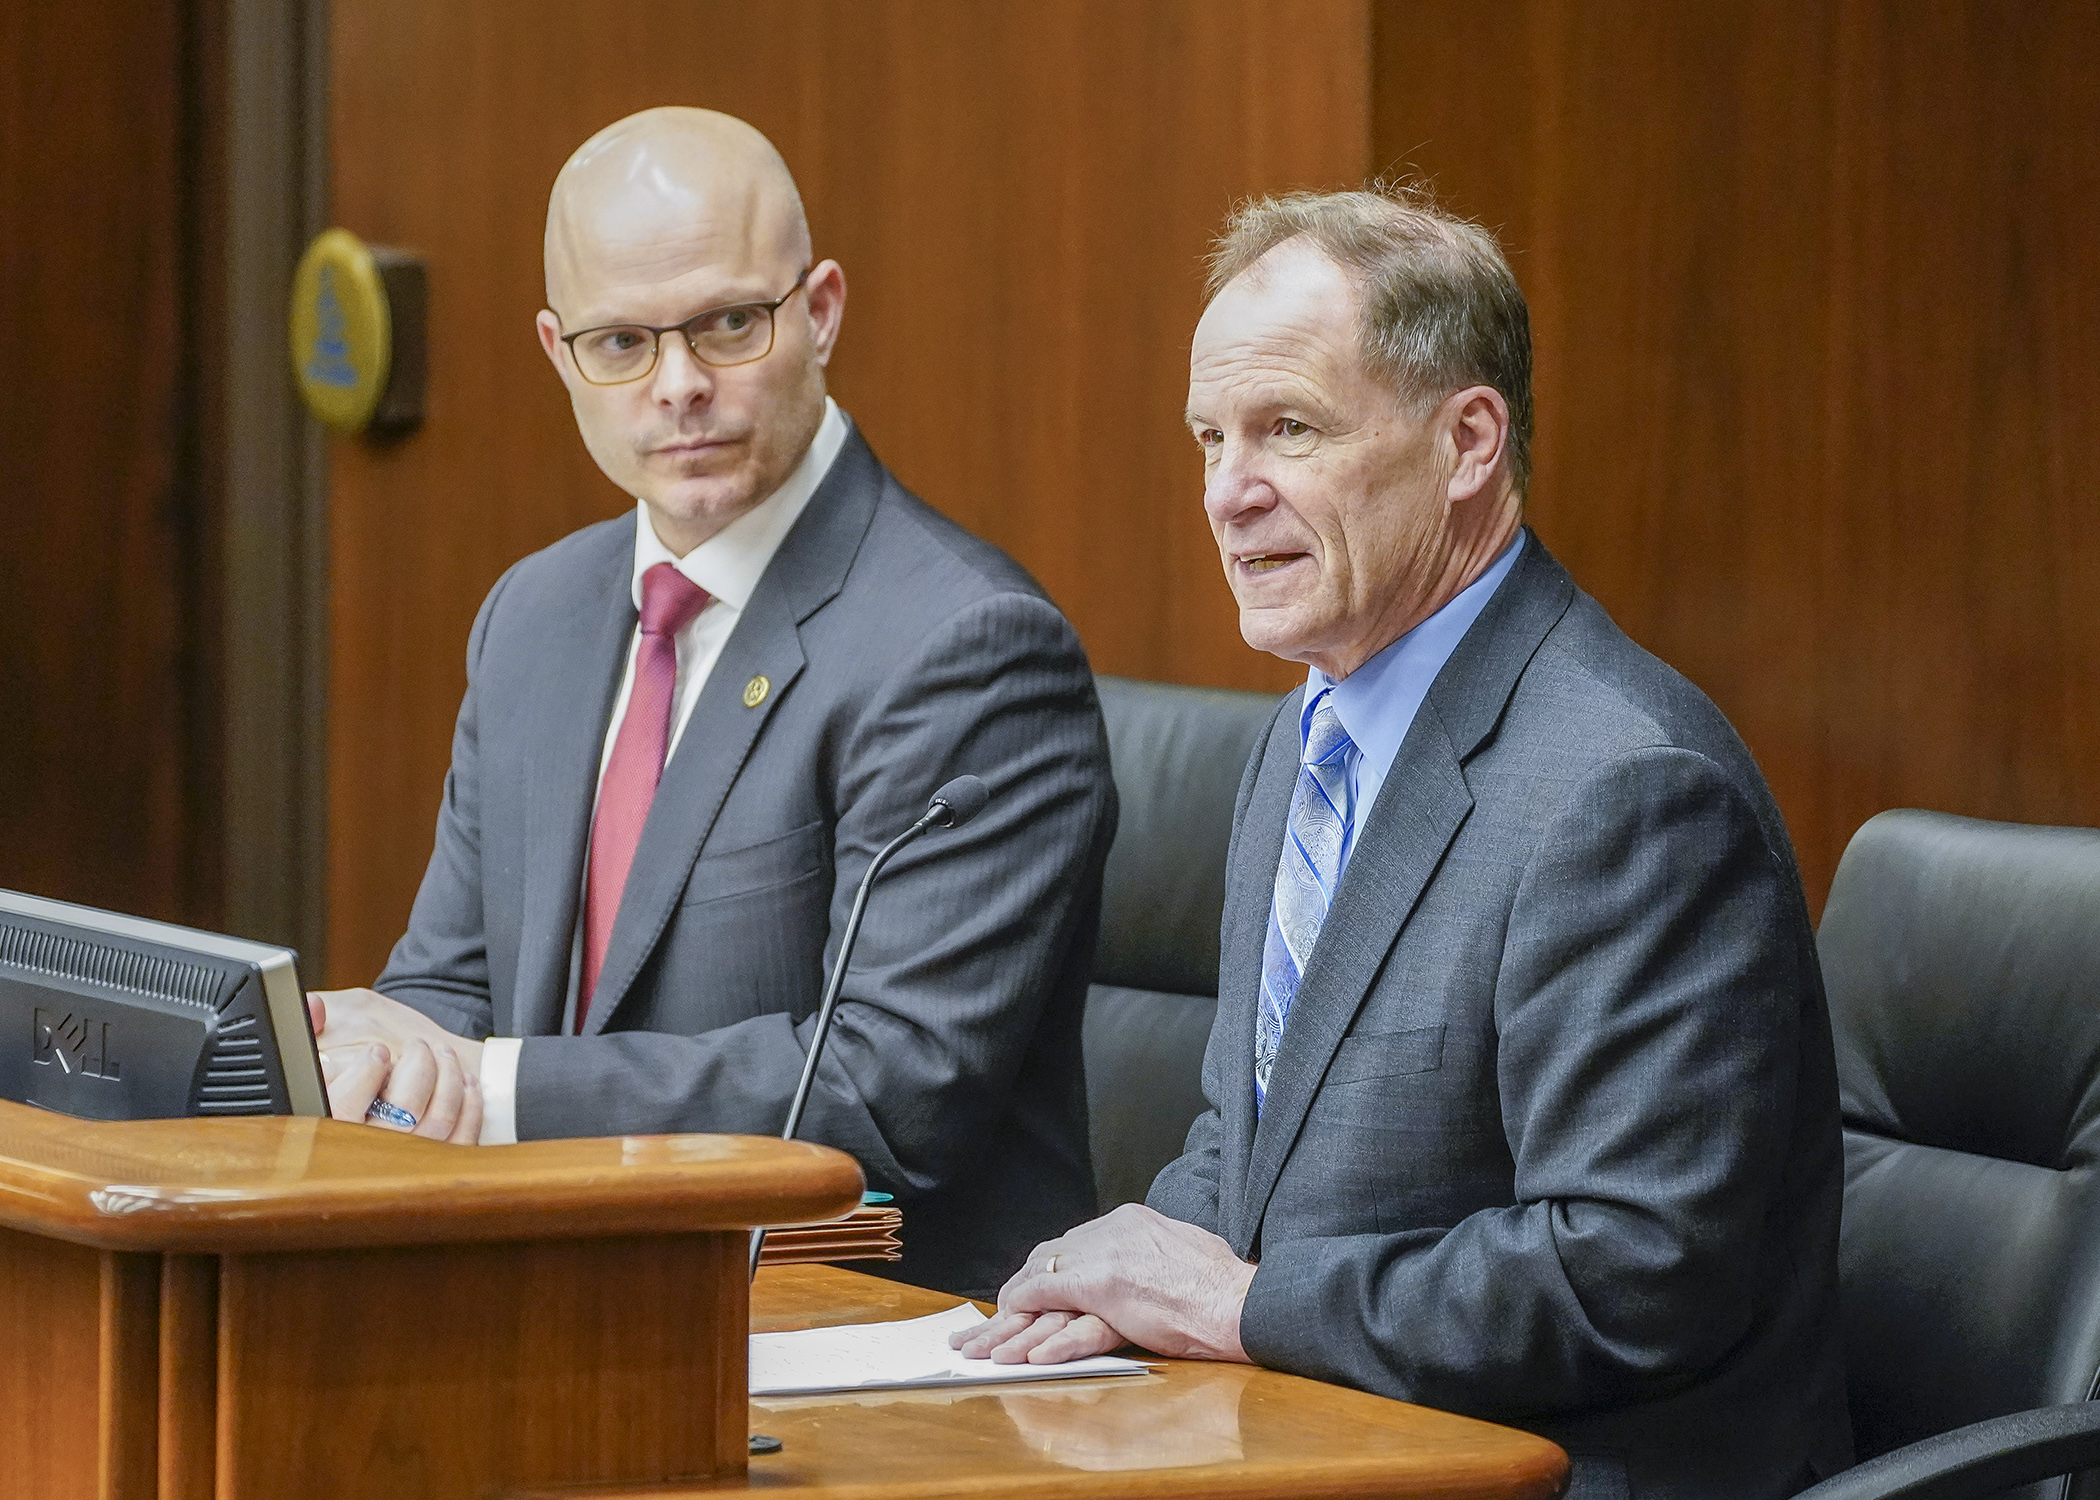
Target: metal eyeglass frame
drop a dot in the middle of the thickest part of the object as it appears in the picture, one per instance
(656, 351)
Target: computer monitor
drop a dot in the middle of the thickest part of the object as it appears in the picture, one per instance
(109, 1017)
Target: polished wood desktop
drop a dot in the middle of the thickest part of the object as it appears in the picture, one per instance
(1221, 1432)
(264, 1308)
(273, 1308)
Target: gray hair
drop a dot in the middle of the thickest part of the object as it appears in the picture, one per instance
(1441, 308)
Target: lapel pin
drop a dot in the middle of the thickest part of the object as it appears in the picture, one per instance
(755, 691)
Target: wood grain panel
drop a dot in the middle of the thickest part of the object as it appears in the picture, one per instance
(128, 1378)
(1020, 196)
(394, 1375)
(50, 1405)
(99, 800)
(77, 1371)
(1814, 292)
(189, 1377)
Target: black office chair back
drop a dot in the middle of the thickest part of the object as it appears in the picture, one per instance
(1962, 960)
(1177, 754)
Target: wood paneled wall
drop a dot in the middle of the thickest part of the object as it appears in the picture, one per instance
(106, 791)
(1020, 196)
(1815, 286)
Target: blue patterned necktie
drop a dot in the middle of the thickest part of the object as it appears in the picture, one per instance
(1314, 842)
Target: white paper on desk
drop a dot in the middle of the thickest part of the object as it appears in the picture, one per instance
(861, 1356)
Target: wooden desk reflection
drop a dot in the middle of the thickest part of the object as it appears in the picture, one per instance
(1223, 1432)
(1087, 1425)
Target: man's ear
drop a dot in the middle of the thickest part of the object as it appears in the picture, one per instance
(1475, 422)
(826, 293)
(548, 327)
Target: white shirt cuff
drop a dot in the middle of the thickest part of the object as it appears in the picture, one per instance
(499, 1090)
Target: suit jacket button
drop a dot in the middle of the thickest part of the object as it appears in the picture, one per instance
(755, 691)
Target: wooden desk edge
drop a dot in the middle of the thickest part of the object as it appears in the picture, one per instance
(373, 1188)
(1350, 1480)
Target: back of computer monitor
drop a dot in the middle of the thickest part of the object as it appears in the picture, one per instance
(110, 1017)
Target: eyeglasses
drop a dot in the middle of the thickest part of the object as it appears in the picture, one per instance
(721, 336)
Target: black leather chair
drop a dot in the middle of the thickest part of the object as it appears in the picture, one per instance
(1177, 753)
(1963, 964)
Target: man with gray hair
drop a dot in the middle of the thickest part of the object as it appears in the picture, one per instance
(1522, 1097)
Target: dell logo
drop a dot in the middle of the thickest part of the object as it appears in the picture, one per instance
(74, 1043)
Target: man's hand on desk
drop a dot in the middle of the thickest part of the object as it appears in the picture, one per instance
(1132, 1276)
(382, 1060)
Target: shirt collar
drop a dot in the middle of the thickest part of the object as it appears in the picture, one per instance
(729, 563)
(1377, 703)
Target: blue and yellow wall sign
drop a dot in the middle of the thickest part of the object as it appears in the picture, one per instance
(357, 334)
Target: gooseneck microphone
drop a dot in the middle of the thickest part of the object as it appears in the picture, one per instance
(952, 806)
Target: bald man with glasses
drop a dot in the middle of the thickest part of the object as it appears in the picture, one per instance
(688, 730)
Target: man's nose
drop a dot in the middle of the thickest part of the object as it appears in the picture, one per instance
(1236, 489)
(680, 379)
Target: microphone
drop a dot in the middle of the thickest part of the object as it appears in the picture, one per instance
(952, 806)
(956, 803)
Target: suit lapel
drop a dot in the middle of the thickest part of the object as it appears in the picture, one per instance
(1475, 685)
(1424, 802)
(1250, 889)
(1419, 811)
(807, 571)
(572, 704)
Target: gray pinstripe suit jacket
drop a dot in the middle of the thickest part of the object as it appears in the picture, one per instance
(901, 651)
(1552, 1137)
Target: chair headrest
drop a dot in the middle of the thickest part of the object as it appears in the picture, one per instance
(1177, 753)
(1962, 960)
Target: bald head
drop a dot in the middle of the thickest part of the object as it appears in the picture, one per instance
(687, 220)
(662, 184)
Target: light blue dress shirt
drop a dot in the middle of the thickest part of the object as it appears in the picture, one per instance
(1377, 702)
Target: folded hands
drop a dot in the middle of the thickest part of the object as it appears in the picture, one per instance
(1133, 1276)
(393, 1067)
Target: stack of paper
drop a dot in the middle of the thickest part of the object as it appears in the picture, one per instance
(914, 1353)
(870, 1232)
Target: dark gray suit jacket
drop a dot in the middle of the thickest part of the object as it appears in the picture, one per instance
(1552, 1138)
(901, 651)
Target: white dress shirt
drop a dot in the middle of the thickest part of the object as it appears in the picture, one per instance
(728, 565)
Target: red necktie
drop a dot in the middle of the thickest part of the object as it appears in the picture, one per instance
(669, 602)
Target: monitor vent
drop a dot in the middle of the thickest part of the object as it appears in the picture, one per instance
(236, 1080)
(117, 968)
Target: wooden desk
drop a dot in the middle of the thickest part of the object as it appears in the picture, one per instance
(1223, 1432)
(281, 1309)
